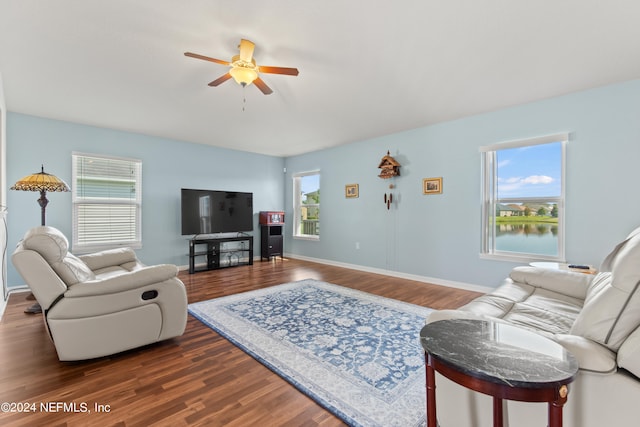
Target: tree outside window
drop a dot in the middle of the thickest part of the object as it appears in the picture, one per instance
(307, 205)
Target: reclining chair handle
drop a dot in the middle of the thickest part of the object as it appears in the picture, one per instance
(147, 295)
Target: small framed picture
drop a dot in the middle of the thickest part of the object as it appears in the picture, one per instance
(351, 191)
(432, 185)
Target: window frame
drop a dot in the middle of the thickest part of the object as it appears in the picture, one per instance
(297, 205)
(78, 201)
(489, 199)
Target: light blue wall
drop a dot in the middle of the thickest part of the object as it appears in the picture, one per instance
(168, 166)
(434, 236)
(438, 236)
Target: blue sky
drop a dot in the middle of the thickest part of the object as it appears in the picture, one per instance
(533, 171)
(310, 183)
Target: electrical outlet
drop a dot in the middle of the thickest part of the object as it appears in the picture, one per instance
(357, 245)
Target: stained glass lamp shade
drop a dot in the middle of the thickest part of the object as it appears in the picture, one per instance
(42, 182)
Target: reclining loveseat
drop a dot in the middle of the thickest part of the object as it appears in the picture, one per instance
(596, 317)
(102, 303)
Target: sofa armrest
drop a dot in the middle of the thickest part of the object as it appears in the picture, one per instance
(45, 284)
(124, 282)
(561, 281)
(108, 258)
(591, 356)
(436, 315)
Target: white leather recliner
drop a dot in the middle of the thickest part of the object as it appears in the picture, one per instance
(102, 303)
(595, 317)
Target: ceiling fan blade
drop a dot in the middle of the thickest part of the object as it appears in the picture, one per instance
(260, 84)
(206, 58)
(246, 50)
(220, 80)
(278, 70)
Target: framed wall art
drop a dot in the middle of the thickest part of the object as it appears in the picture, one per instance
(351, 191)
(432, 185)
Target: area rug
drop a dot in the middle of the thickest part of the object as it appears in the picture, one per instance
(356, 354)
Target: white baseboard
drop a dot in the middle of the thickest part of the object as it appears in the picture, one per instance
(3, 301)
(417, 278)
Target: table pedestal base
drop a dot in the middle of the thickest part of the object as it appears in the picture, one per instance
(555, 396)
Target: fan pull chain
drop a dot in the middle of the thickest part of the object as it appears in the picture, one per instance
(244, 97)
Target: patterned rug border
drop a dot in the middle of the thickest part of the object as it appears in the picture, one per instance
(307, 389)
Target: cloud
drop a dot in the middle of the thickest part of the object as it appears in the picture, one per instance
(533, 180)
(513, 180)
(518, 184)
(538, 179)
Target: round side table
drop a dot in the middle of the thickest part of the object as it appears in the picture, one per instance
(500, 360)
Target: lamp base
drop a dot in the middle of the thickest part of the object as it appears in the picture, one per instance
(43, 202)
(34, 309)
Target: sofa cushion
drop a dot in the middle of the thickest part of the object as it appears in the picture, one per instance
(72, 270)
(53, 246)
(528, 306)
(49, 242)
(613, 257)
(545, 312)
(612, 307)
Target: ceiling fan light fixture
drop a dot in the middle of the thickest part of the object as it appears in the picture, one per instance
(243, 68)
(243, 72)
(243, 76)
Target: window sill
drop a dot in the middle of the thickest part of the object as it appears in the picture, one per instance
(519, 258)
(87, 249)
(307, 237)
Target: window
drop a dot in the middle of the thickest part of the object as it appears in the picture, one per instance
(306, 205)
(523, 199)
(107, 200)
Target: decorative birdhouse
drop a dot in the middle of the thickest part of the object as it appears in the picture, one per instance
(389, 167)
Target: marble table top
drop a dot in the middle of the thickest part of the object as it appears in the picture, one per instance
(499, 353)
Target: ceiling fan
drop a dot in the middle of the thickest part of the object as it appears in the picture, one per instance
(244, 69)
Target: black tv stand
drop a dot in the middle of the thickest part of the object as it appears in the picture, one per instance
(220, 252)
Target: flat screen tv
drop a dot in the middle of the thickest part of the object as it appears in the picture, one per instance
(210, 211)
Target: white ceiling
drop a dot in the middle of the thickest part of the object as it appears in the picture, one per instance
(367, 68)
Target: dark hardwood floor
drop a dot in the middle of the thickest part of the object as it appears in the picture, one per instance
(197, 379)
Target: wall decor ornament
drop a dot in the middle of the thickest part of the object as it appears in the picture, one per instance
(432, 185)
(388, 199)
(351, 191)
(389, 168)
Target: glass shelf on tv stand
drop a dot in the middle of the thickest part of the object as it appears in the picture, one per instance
(218, 254)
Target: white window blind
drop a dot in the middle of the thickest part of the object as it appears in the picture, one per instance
(107, 202)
